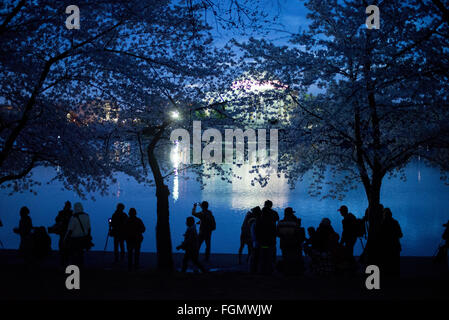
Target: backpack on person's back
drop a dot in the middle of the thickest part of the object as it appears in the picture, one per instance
(360, 228)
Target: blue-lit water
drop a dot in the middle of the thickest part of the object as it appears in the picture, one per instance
(421, 205)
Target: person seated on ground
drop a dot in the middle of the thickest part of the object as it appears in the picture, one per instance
(134, 229)
(390, 235)
(207, 225)
(190, 246)
(245, 234)
(291, 236)
(117, 227)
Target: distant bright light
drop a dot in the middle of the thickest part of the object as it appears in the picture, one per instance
(257, 86)
(175, 114)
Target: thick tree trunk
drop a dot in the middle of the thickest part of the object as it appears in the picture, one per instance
(375, 214)
(163, 237)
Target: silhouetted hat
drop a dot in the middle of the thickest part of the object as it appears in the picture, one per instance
(289, 210)
(446, 224)
(343, 208)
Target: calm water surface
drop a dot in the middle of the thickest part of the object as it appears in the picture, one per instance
(421, 205)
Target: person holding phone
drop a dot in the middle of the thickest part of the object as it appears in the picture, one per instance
(207, 225)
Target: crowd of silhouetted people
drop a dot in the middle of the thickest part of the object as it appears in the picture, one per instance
(328, 252)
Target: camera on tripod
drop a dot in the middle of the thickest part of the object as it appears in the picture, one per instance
(56, 229)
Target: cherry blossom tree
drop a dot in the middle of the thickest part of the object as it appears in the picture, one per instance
(369, 102)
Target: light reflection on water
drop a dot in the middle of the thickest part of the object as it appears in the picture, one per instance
(421, 205)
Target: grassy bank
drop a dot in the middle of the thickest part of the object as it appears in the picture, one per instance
(101, 279)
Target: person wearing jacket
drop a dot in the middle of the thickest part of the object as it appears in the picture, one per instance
(390, 235)
(292, 236)
(190, 246)
(266, 237)
(118, 222)
(62, 223)
(77, 231)
(245, 234)
(134, 229)
(25, 230)
(207, 225)
(349, 233)
(255, 252)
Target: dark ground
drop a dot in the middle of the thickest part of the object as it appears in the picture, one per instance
(101, 280)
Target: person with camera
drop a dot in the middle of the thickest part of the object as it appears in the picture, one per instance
(78, 237)
(207, 225)
(191, 246)
(117, 225)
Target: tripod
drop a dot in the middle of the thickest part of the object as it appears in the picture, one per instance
(107, 237)
(1, 243)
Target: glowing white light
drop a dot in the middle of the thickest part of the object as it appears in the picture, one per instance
(176, 160)
(175, 156)
(175, 115)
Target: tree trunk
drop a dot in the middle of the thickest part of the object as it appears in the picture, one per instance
(163, 238)
(375, 214)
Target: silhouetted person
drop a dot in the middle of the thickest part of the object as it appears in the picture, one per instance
(373, 248)
(1, 225)
(349, 234)
(41, 243)
(134, 229)
(325, 236)
(266, 236)
(445, 235)
(25, 232)
(245, 234)
(255, 251)
(207, 225)
(309, 242)
(77, 231)
(326, 249)
(390, 233)
(191, 246)
(291, 236)
(441, 256)
(118, 222)
(60, 228)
